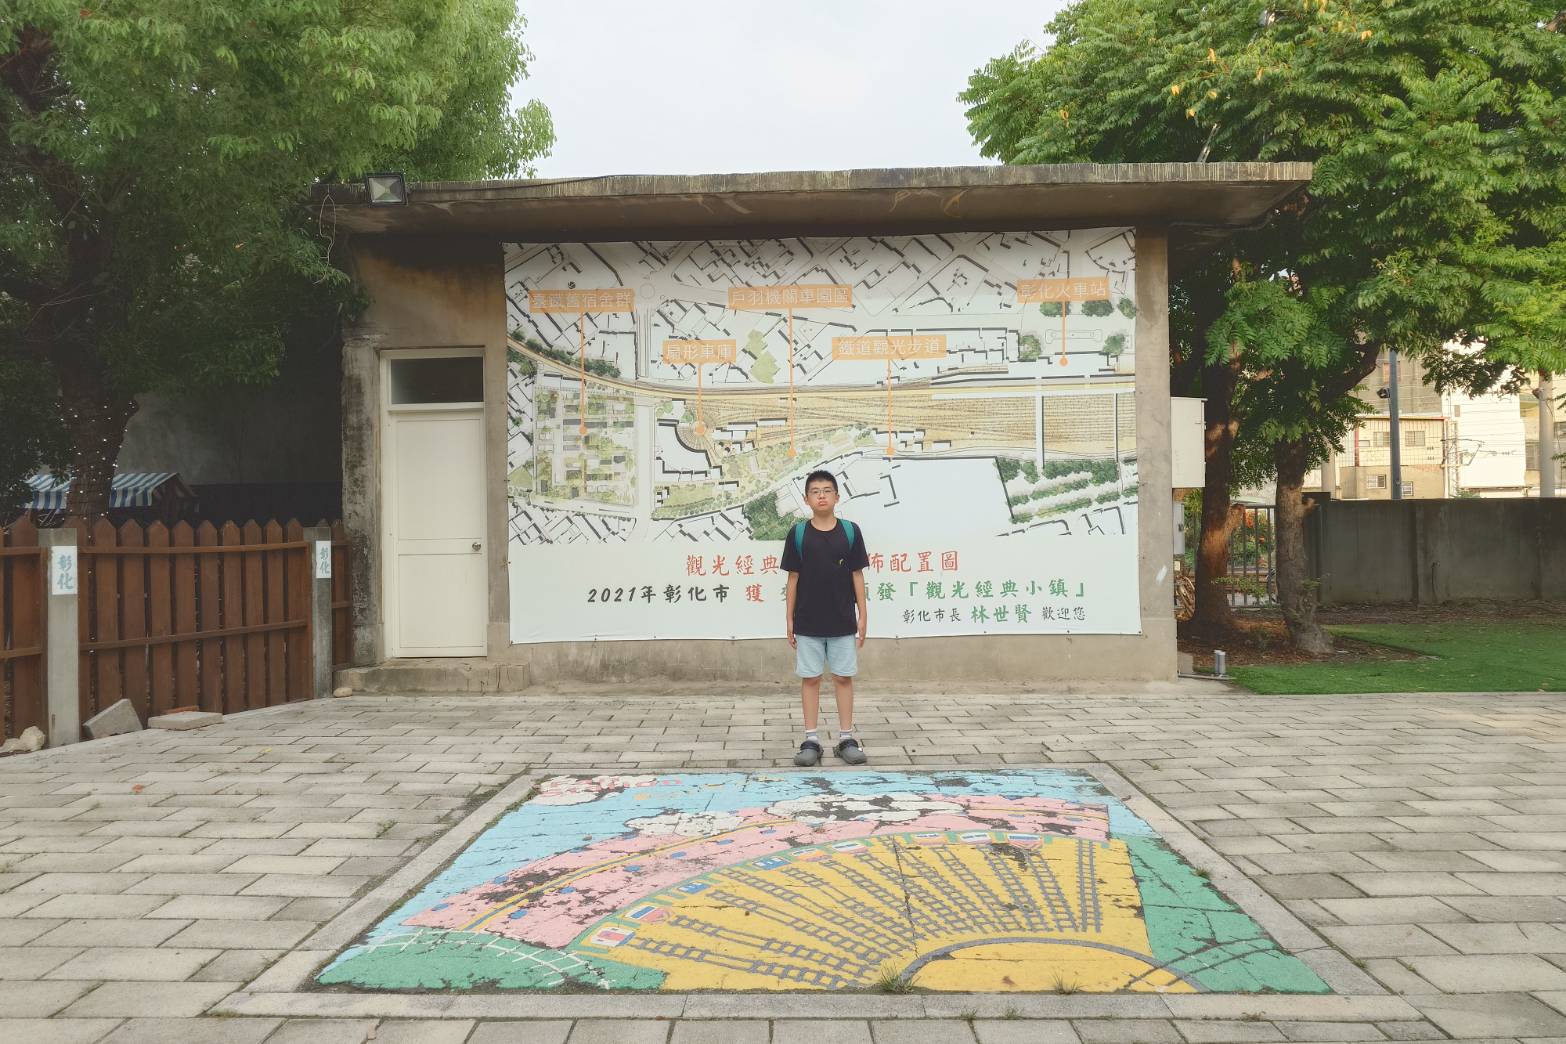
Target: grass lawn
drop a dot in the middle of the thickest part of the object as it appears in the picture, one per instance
(1500, 655)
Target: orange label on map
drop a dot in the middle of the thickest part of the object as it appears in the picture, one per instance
(799, 295)
(918, 346)
(1082, 288)
(608, 299)
(683, 353)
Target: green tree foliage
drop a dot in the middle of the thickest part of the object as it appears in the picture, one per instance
(154, 159)
(1098, 308)
(1436, 217)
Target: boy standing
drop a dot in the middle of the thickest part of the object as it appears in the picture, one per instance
(825, 559)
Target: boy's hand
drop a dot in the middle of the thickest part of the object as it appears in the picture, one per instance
(861, 644)
(792, 644)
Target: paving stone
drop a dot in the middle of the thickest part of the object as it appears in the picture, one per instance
(1386, 940)
(1491, 973)
(323, 1031)
(240, 935)
(1410, 1031)
(79, 884)
(619, 1031)
(1475, 1015)
(1125, 1031)
(220, 907)
(15, 932)
(184, 721)
(192, 884)
(1024, 1031)
(134, 963)
(1218, 1030)
(237, 965)
(835, 1031)
(55, 1031)
(109, 932)
(520, 1032)
(32, 962)
(1412, 882)
(1503, 938)
(1409, 910)
(920, 1031)
(1325, 1031)
(423, 1031)
(25, 999)
(115, 720)
(726, 1031)
(1308, 886)
(150, 999)
(192, 1031)
(1510, 908)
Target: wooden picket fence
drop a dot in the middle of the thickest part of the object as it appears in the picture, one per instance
(21, 628)
(202, 616)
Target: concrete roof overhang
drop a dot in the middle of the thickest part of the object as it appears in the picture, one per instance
(1198, 202)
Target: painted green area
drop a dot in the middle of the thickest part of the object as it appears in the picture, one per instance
(1219, 947)
(1526, 655)
(425, 959)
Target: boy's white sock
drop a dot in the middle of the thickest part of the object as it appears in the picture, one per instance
(813, 735)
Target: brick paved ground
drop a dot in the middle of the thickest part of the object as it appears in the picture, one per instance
(145, 879)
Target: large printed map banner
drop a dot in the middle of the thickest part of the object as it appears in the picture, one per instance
(972, 392)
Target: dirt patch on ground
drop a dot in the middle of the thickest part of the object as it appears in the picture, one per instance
(1452, 612)
(1261, 638)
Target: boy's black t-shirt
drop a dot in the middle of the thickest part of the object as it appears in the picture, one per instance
(824, 601)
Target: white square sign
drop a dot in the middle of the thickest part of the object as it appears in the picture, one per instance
(62, 570)
(323, 559)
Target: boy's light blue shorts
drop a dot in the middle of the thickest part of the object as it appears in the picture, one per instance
(814, 655)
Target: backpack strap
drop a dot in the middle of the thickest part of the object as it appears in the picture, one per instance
(799, 536)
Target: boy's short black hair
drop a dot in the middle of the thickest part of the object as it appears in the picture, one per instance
(821, 476)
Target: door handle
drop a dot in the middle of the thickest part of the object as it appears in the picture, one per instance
(477, 546)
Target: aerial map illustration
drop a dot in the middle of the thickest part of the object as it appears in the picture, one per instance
(970, 392)
(972, 881)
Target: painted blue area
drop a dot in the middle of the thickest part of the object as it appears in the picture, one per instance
(533, 831)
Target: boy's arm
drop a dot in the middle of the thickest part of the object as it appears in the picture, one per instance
(793, 588)
(862, 603)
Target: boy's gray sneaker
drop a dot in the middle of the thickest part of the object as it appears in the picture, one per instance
(809, 754)
(850, 751)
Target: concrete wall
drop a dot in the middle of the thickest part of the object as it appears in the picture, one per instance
(424, 293)
(1438, 550)
(434, 293)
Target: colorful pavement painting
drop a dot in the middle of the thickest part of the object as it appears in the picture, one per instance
(986, 881)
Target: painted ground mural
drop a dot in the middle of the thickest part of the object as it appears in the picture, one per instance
(989, 881)
(973, 393)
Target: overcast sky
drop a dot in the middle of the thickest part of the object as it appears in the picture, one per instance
(706, 87)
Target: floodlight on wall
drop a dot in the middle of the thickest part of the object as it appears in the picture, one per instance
(386, 189)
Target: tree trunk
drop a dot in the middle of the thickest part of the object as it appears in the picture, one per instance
(1296, 591)
(96, 419)
(1212, 617)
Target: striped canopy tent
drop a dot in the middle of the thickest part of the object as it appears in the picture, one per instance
(131, 489)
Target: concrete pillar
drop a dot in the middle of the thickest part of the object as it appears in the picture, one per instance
(320, 609)
(1547, 448)
(62, 710)
(361, 389)
(1155, 503)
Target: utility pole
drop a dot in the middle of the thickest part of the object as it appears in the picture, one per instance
(1547, 448)
(1397, 435)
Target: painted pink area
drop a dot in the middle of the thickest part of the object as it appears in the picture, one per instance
(584, 886)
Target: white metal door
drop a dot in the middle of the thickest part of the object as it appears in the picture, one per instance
(437, 573)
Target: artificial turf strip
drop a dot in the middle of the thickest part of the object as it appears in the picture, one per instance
(1465, 656)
